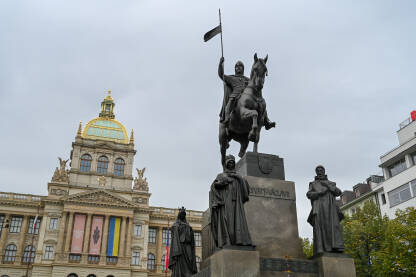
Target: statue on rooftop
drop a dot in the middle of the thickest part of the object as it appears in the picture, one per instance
(325, 215)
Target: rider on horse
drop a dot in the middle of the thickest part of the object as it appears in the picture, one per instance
(234, 87)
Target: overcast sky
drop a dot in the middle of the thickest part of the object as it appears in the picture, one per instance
(341, 79)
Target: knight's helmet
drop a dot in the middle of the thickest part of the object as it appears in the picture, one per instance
(239, 63)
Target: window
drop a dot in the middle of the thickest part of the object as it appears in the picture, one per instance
(72, 275)
(119, 167)
(413, 185)
(92, 275)
(135, 258)
(35, 231)
(1, 222)
(29, 254)
(152, 235)
(53, 224)
(93, 259)
(10, 253)
(111, 260)
(85, 163)
(399, 195)
(137, 230)
(197, 237)
(151, 261)
(102, 165)
(48, 253)
(74, 257)
(198, 263)
(413, 155)
(397, 167)
(165, 234)
(15, 224)
(383, 198)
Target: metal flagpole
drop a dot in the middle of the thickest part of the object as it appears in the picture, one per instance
(222, 48)
(167, 249)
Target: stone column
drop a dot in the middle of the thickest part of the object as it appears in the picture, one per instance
(3, 236)
(129, 235)
(69, 232)
(41, 237)
(122, 240)
(159, 250)
(104, 240)
(60, 242)
(87, 236)
(20, 246)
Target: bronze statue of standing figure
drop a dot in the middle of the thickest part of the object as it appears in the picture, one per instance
(325, 215)
(243, 112)
(182, 260)
(227, 196)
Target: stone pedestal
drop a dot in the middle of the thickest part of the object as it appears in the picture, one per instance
(232, 263)
(339, 265)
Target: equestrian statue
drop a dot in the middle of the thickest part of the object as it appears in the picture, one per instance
(243, 111)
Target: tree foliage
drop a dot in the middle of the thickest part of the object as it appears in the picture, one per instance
(307, 247)
(379, 246)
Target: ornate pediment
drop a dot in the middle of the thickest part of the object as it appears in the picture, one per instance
(99, 197)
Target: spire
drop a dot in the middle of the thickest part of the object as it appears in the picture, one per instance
(107, 106)
(132, 137)
(79, 129)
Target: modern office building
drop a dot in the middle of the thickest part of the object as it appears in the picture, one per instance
(95, 220)
(398, 190)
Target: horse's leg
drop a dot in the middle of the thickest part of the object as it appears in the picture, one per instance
(223, 140)
(253, 114)
(243, 147)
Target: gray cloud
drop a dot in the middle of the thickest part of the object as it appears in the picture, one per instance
(341, 77)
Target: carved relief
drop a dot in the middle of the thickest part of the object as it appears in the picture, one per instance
(61, 174)
(140, 183)
(140, 200)
(59, 192)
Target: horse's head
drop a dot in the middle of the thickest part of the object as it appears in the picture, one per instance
(258, 72)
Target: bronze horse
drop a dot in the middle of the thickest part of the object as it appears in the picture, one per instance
(249, 114)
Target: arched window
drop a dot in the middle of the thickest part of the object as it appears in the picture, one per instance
(85, 163)
(110, 275)
(92, 275)
(29, 254)
(119, 167)
(198, 262)
(102, 165)
(10, 253)
(72, 275)
(151, 261)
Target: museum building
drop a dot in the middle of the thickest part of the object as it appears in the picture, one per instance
(96, 220)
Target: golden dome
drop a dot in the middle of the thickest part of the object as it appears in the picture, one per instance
(105, 127)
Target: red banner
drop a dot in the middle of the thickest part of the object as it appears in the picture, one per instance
(96, 235)
(78, 233)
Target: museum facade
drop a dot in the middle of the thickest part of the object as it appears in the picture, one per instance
(96, 220)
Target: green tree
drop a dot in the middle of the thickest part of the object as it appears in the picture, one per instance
(364, 234)
(307, 247)
(398, 254)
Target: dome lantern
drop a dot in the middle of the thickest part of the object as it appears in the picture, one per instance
(107, 106)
